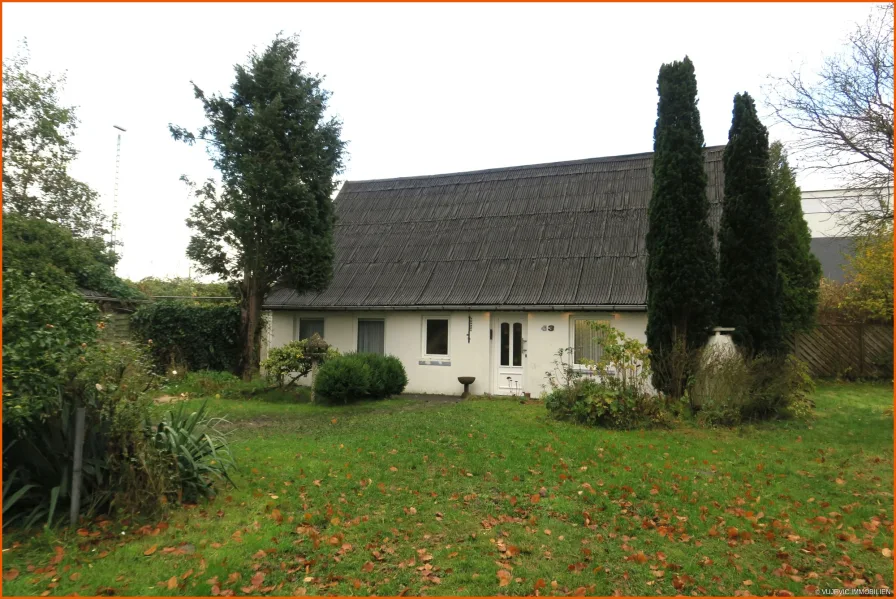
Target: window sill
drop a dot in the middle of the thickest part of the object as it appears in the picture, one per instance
(434, 361)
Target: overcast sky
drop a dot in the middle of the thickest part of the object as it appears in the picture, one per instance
(421, 88)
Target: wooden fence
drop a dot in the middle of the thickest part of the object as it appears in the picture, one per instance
(847, 350)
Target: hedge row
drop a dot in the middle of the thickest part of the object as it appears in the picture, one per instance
(190, 335)
(352, 377)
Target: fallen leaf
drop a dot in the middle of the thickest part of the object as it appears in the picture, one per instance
(11, 574)
(886, 552)
(75, 576)
(504, 578)
(172, 583)
(151, 550)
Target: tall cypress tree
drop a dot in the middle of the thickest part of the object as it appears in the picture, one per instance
(799, 269)
(681, 261)
(749, 286)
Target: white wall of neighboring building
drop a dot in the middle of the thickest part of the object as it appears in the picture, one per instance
(545, 333)
(817, 210)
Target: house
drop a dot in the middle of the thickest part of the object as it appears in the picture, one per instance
(485, 273)
(832, 253)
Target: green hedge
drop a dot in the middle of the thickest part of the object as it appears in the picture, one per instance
(352, 377)
(191, 335)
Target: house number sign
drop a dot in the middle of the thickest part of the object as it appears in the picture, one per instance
(547, 327)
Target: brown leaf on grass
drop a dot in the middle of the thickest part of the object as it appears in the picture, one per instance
(172, 583)
(638, 558)
(233, 577)
(277, 516)
(535, 498)
(186, 574)
(75, 576)
(151, 550)
(504, 578)
(886, 552)
(258, 579)
(540, 584)
(368, 567)
(513, 550)
(11, 574)
(259, 554)
(59, 553)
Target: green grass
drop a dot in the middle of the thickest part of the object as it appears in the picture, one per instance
(431, 498)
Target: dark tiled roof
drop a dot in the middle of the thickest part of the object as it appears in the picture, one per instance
(560, 234)
(832, 252)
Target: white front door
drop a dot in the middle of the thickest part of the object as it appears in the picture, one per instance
(510, 349)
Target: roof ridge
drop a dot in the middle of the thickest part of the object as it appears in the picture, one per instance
(598, 159)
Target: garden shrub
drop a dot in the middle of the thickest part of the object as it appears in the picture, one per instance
(394, 376)
(353, 377)
(729, 389)
(44, 328)
(286, 364)
(613, 392)
(190, 335)
(194, 452)
(343, 379)
(123, 467)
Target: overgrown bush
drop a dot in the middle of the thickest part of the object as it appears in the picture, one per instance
(729, 389)
(352, 377)
(343, 379)
(44, 329)
(190, 335)
(286, 364)
(613, 392)
(124, 467)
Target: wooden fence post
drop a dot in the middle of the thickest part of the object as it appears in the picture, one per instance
(861, 329)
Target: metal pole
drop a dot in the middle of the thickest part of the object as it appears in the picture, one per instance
(76, 472)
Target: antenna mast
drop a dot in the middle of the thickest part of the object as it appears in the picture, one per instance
(115, 189)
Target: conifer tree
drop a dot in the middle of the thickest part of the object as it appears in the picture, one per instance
(749, 285)
(799, 269)
(681, 262)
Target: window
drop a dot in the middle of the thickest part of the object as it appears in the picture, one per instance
(517, 344)
(587, 341)
(371, 336)
(309, 326)
(436, 341)
(511, 346)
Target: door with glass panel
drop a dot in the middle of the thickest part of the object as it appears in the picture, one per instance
(509, 338)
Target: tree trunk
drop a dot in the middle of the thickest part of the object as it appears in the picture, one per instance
(251, 313)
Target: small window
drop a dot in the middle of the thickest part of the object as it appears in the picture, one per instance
(371, 336)
(517, 344)
(309, 326)
(587, 342)
(436, 337)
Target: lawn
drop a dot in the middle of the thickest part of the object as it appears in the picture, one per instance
(488, 497)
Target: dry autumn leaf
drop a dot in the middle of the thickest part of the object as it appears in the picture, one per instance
(151, 550)
(504, 578)
(172, 583)
(10, 574)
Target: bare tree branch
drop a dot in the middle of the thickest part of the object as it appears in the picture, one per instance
(844, 121)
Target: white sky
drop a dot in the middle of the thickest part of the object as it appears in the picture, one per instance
(421, 88)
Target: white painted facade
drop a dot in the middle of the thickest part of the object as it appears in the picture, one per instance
(473, 344)
(817, 206)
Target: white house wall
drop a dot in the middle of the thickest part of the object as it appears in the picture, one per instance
(404, 339)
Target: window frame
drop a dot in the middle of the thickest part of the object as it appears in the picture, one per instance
(297, 325)
(572, 335)
(423, 335)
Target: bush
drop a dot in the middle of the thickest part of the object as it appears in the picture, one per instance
(44, 329)
(193, 451)
(109, 381)
(190, 335)
(617, 397)
(394, 376)
(126, 465)
(720, 388)
(343, 379)
(352, 377)
(286, 364)
(728, 389)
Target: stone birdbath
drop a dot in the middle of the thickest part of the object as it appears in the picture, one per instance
(466, 381)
